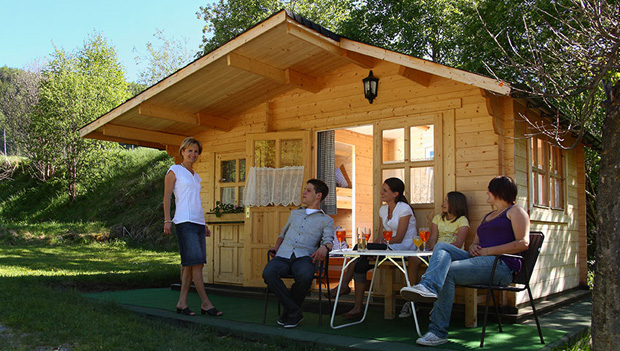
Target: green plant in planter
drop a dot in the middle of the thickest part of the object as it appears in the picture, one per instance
(221, 208)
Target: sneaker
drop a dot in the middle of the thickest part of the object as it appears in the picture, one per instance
(405, 312)
(293, 321)
(430, 339)
(412, 292)
(282, 319)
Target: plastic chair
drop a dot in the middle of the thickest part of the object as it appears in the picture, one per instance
(320, 274)
(528, 259)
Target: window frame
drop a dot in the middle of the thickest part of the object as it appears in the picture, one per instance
(238, 183)
(542, 147)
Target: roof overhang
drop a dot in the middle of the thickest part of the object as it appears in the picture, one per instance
(280, 54)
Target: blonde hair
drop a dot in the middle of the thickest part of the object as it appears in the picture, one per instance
(189, 141)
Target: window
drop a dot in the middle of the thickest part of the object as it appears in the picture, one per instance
(547, 180)
(231, 172)
(408, 154)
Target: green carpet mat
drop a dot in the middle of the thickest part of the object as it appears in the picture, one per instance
(248, 310)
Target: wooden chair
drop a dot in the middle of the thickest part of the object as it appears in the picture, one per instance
(528, 259)
(321, 275)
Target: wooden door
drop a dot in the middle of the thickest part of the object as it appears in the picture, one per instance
(263, 224)
(228, 249)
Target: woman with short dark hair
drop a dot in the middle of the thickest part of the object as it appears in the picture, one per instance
(505, 230)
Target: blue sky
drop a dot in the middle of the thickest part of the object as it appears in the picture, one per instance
(29, 29)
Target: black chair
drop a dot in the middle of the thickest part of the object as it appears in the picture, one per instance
(320, 275)
(528, 259)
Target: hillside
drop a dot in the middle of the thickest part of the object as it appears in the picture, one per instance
(122, 202)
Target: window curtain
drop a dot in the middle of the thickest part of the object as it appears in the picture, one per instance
(326, 156)
(274, 186)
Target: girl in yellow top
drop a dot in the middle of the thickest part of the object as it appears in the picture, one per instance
(451, 226)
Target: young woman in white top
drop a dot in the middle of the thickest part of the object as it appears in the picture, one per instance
(189, 222)
(396, 215)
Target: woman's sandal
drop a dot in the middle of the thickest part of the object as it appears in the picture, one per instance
(186, 311)
(211, 312)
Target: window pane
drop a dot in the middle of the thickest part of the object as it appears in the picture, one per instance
(422, 185)
(228, 195)
(291, 153)
(539, 189)
(554, 160)
(229, 171)
(393, 173)
(540, 157)
(394, 145)
(265, 153)
(422, 143)
(242, 170)
(241, 199)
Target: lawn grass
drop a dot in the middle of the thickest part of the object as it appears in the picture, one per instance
(43, 308)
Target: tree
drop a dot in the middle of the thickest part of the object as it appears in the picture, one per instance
(76, 89)
(164, 60)
(229, 18)
(18, 95)
(575, 68)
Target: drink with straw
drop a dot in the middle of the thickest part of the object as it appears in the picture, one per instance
(424, 235)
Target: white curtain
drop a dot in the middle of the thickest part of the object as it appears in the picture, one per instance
(273, 186)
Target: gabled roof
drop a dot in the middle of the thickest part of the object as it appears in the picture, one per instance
(282, 53)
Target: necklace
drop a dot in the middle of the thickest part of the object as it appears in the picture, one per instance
(189, 170)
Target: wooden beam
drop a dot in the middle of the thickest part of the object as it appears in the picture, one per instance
(417, 76)
(100, 136)
(287, 76)
(495, 85)
(361, 60)
(173, 150)
(302, 81)
(162, 112)
(256, 67)
(213, 122)
(151, 136)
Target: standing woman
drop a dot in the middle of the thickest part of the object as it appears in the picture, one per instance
(189, 222)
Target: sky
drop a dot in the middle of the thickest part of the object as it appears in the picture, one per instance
(29, 29)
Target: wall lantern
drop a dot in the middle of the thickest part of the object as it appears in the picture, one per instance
(370, 87)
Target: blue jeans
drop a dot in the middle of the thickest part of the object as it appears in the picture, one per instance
(302, 270)
(450, 266)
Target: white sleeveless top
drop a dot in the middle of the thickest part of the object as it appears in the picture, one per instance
(188, 205)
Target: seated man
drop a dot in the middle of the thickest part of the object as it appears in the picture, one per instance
(306, 238)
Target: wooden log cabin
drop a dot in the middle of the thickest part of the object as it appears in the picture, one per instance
(280, 84)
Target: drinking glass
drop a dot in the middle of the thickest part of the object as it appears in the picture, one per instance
(366, 234)
(387, 235)
(341, 234)
(417, 241)
(424, 234)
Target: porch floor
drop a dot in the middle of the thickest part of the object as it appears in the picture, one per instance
(243, 314)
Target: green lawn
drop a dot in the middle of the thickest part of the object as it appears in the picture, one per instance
(43, 308)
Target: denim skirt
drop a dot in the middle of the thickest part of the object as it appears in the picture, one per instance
(192, 244)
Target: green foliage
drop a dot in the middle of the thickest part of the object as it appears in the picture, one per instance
(227, 19)
(164, 60)
(76, 89)
(221, 208)
(123, 200)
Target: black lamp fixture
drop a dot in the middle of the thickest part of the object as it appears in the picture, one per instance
(371, 83)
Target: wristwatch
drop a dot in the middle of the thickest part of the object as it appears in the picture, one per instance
(327, 247)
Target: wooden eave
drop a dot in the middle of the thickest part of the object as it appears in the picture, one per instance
(276, 56)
